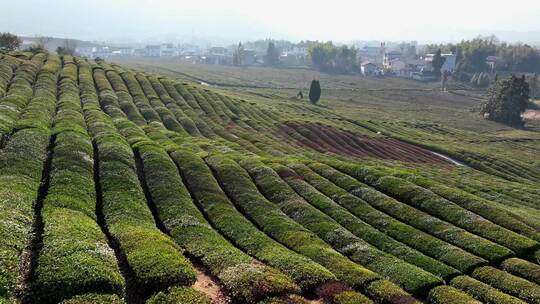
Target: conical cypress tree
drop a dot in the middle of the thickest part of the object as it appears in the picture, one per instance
(314, 91)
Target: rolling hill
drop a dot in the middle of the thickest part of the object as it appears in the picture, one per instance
(124, 186)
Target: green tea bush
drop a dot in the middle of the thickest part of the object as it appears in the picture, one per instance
(362, 229)
(411, 278)
(408, 214)
(425, 243)
(223, 215)
(447, 294)
(508, 283)
(94, 298)
(477, 205)
(21, 163)
(179, 295)
(483, 292)
(387, 292)
(75, 257)
(429, 202)
(522, 268)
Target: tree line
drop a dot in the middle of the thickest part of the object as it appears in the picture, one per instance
(472, 55)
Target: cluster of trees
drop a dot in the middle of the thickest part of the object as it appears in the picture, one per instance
(330, 58)
(68, 47)
(472, 54)
(506, 100)
(272, 54)
(9, 42)
(481, 80)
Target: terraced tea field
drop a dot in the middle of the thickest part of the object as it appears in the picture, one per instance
(124, 186)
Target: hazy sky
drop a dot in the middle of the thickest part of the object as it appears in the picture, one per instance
(230, 20)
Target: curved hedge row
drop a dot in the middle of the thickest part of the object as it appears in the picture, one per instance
(223, 215)
(408, 214)
(21, 165)
(153, 162)
(94, 298)
(478, 205)
(522, 268)
(8, 65)
(187, 123)
(179, 295)
(22, 161)
(448, 294)
(21, 89)
(75, 257)
(238, 185)
(483, 292)
(214, 204)
(152, 260)
(362, 229)
(188, 227)
(431, 203)
(125, 101)
(140, 100)
(426, 243)
(508, 283)
(387, 292)
(411, 278)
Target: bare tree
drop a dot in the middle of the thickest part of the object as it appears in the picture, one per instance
(9, 41)
(40, 44)
(68, 47)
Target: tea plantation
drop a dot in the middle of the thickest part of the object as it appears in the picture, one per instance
(122, 186)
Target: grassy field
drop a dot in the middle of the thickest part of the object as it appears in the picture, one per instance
(132, 182)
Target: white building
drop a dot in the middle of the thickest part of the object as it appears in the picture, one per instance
(389, 57)
(85, 51)
(168, 50)
(152, 51)
(449, 64)
(368, 68)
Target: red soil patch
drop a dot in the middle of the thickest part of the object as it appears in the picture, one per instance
(210, 286)
(327, 139)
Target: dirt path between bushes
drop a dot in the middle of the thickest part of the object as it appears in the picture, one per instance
(210, 286)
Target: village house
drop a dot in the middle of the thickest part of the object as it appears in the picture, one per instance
(217, 55)
(152, 51)
(392, 58)
(494, 62)
(368, 68)
(249, 57)
(449, 64)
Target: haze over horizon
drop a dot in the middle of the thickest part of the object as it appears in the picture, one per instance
(130, 21)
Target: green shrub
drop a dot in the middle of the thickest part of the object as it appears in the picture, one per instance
(407, 234)
(522, 268)
(154, 260)
(478, 205)
(408, 214)
(179, 295)
(94, 299)
(362, 229)
(387, 292)
(448, 210)
(508, 283)
(483, 292)
(245, 278)
(75, 257)
(223, 215)
(448, 294)
(351, 297)
(287, 299)
(237, 184)
(21, 164)
(406, 275)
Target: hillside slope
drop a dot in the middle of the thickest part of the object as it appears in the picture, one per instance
(124, 186)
